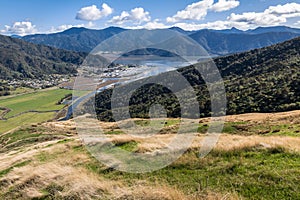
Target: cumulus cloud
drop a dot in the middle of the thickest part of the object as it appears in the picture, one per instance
(63, 28)
(260, 19)
(216, 25)
(297, 23)
(92, 13)
(223, 5)
(156, 24)
(195, 11)
(274, 15)
(287, 9)
(20, 28)
(136, 16)
(68, 26)
(199, 10)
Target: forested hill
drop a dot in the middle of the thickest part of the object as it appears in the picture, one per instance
(261, 80)
(74, 39)
(265, 60)
(220, 43)
(20, 59)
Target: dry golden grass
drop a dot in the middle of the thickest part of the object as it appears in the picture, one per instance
(142, 190)
(159, 191)
(13, 157)
(62, 173)
(57, 170)
(74, 181)
(281, 117)
(233, 142)
(225, 142)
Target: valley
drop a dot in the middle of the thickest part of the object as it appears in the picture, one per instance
(56, 107)
(34, 107)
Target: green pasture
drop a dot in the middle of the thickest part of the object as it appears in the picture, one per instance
(43, 100)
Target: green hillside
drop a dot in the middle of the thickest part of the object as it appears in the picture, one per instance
(20, 59)
(261, 80)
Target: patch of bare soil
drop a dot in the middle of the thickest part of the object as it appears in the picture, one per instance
(3, 112)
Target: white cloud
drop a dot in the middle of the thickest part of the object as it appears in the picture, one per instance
(140, 15)
(27, 28)
(136, 16)
(297, 23)
(68, 26)
(224, 5)
(63, 28)
(217, 25)
(272, 16)
(199, 10)
(289, 8)
(156, 24)
(20, 28)
(195, 11)
(92, 13)
(260, 19)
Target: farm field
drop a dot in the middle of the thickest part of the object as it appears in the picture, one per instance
(19, 108)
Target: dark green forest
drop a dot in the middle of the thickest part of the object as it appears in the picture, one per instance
(19, 59)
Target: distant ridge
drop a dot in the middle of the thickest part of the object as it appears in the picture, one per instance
(180, 30)
(229, 31)
(277, 29)
(74, 39)
(216, 42)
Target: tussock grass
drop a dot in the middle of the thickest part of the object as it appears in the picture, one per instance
(239, 167)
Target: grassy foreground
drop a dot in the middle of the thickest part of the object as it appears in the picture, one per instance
(48, 161)
(42, 100)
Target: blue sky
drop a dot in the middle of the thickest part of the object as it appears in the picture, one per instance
(24, 17)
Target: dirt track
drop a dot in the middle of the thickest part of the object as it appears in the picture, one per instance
(4, 112)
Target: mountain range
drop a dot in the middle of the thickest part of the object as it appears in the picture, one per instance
(215, 42)
(21, 59)
(74, 39)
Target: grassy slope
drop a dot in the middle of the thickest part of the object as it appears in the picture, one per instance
(39, 101)
(49, 162)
